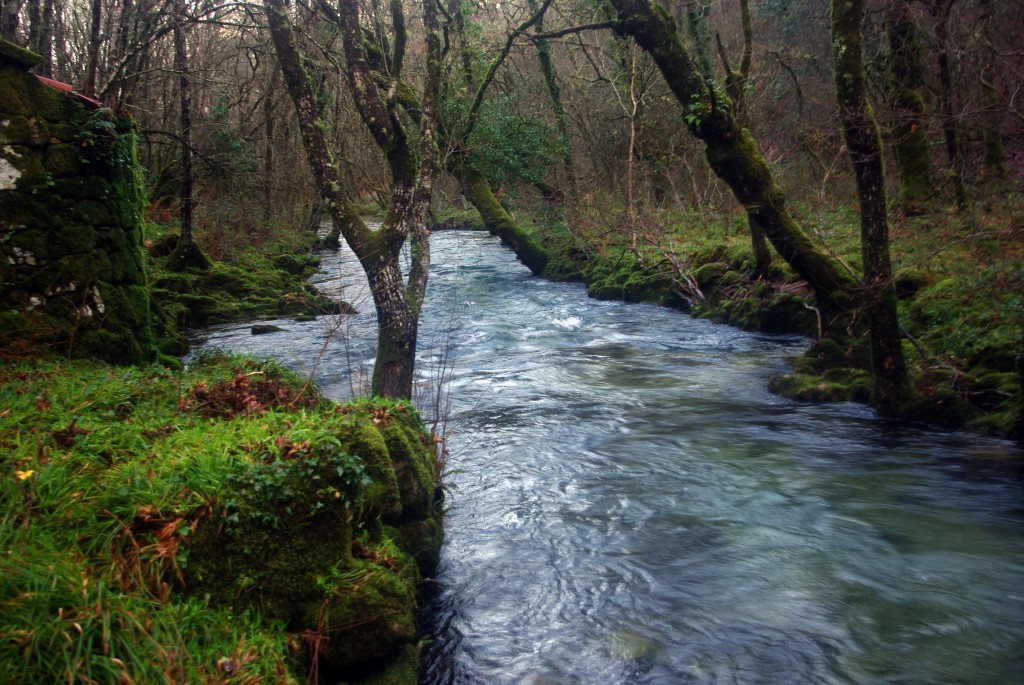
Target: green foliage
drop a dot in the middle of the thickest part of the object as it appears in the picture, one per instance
(508, 146)
(978, 320)
(229, 163)
(108, 477)
(300, 476)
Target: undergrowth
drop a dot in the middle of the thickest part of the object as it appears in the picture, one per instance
(105, 474)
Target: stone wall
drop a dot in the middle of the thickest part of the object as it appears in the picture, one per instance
(71, 260)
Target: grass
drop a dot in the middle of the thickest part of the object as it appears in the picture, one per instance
(105, 474)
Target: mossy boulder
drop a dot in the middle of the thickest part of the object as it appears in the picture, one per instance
(300, 534)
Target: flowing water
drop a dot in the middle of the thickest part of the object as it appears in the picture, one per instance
(628, 504)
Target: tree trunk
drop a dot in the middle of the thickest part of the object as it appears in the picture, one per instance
(733, 155)
(186, 253)
(45, 45)
(498, 222)
(9, 19)
(865, 147)
(913, 159)
(547, 69)
(950, 128)
(397, 303)
(735, 85)
(268, 151)
(995, 154)
(95, 42)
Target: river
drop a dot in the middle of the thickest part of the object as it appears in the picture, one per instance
(628, 504)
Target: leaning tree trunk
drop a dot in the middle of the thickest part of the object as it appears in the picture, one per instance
(498, 221)
(734, 157)
(865, 147)
(913, 159)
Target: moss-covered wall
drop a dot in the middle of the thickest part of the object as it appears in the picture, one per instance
(71, 261)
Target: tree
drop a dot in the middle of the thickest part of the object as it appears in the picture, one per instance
(186, 253)
(733, 155)
(942, 10)
(864, 145)
(461, 164)
(913, 159)
(995, 154)
(412, 169)
(736, 83)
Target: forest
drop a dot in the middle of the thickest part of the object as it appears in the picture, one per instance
(848, 171)
(871, 149)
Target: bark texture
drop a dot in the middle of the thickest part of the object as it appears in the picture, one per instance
(865, 149)
(498, 221)
(736, 82)
(941, 9)
(186, 252)
(397, 301)
(995, 153)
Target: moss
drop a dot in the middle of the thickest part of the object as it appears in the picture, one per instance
(369, 617)
(908, 282)
(12, 92)
(23, 130)
(20, 210)
(413, 468)
(840, 385)
(708, 275)
(259, 545)
(92, 212)
(403, 669)
(382, 495)
(61, 160)
(28, 161)
(81, 188)
(297, 265)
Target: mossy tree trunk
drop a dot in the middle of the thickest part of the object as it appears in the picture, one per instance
(865, 148)
(498, 221)
(913, 159)
(995, 154)
(733, 155)
(397, 301)
(475, 186)
(547, 69)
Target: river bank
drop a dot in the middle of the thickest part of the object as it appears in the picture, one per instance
(224, 524)
(959, 279)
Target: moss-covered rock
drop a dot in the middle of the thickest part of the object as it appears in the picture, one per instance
(300, 535)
